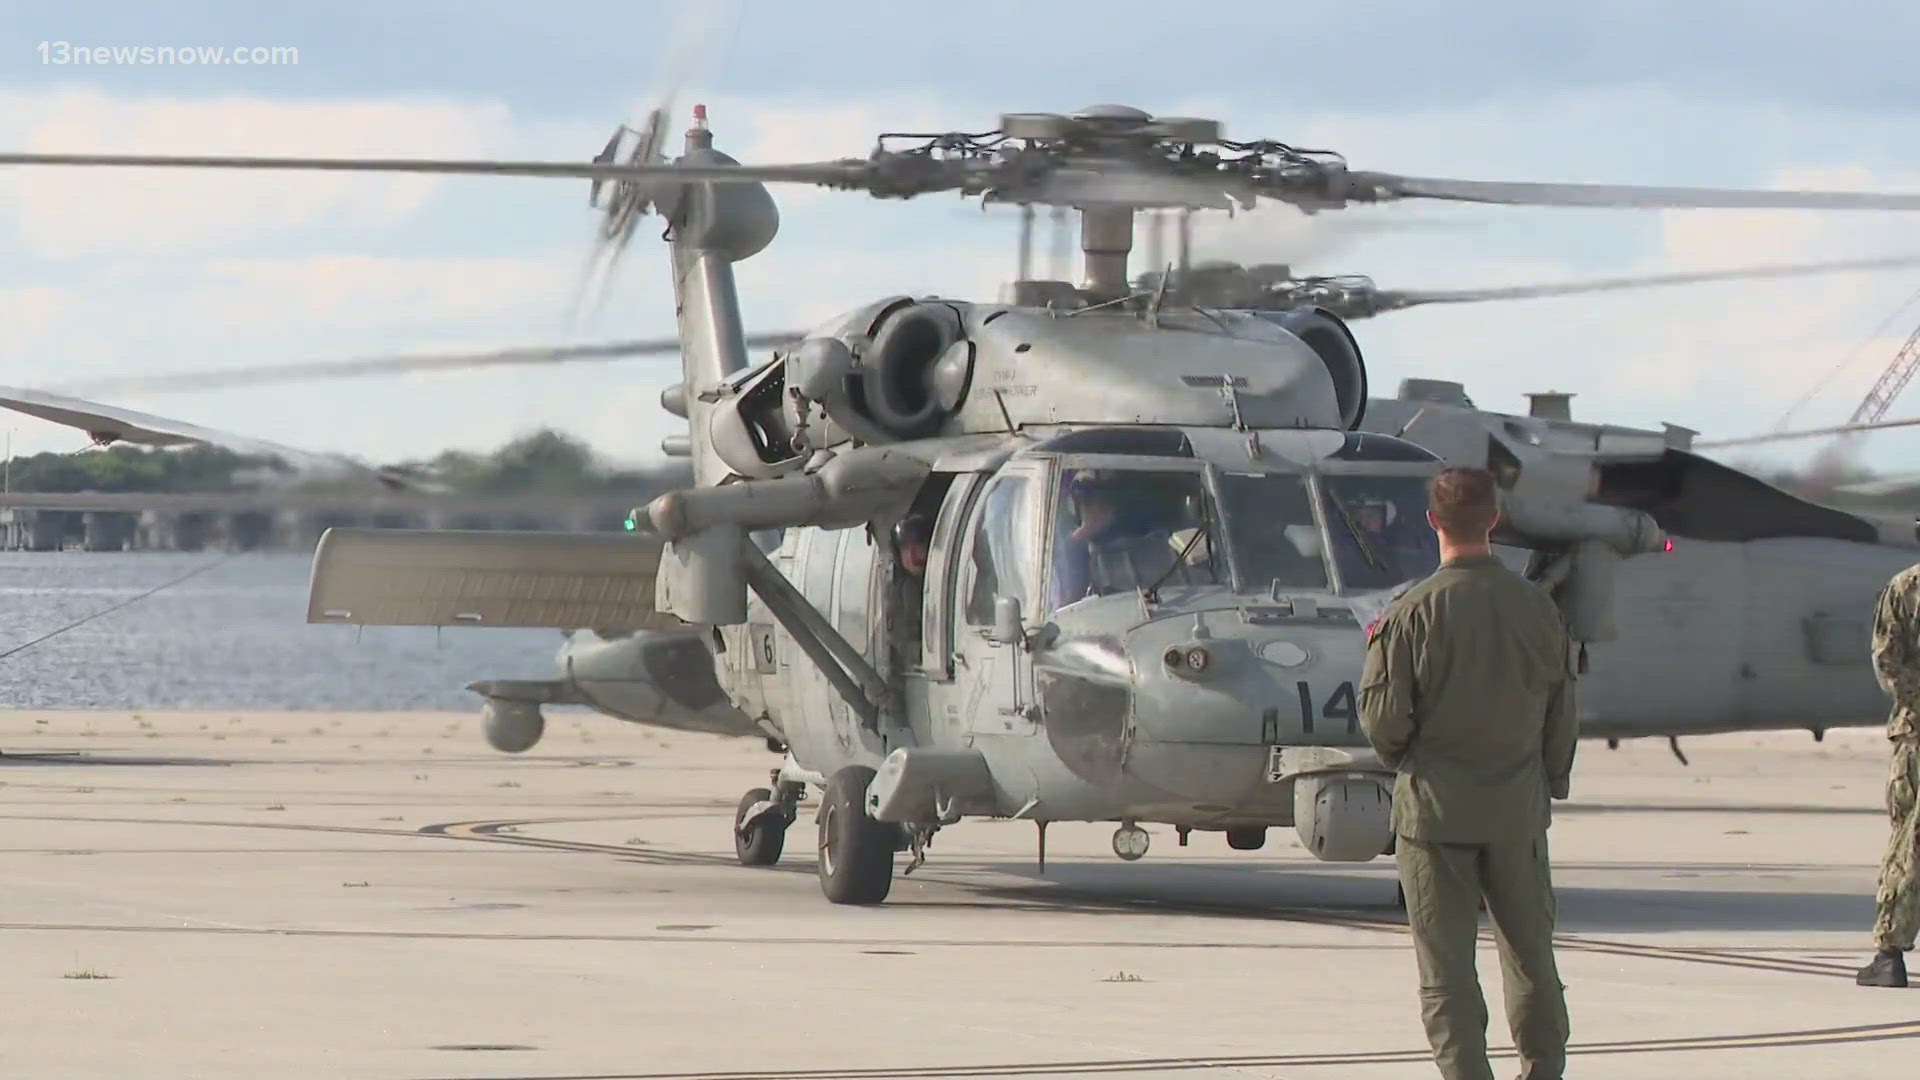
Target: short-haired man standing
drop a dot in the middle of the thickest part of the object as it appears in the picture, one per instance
(1468, 696)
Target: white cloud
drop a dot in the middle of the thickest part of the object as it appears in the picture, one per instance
(71, 211)
(367, 290)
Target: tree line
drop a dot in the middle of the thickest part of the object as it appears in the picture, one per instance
(544, 461)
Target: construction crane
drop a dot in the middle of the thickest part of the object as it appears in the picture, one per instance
(1830, 465)
(1873, 408)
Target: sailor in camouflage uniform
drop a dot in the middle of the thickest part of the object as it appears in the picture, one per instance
(1468, 696)
(1896, 662)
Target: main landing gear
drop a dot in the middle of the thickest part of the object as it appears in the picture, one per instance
(856, 851)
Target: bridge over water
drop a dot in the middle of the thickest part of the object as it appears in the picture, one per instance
(288, 520)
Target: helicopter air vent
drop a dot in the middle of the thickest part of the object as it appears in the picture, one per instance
(1145, 442)
(1058, 295)
(1436, 391)
(1373, 446)
(1550, 405)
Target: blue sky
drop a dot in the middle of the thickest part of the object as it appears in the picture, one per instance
(104, 274)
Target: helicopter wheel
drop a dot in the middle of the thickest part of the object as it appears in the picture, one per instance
(761, 843)
(856, 852)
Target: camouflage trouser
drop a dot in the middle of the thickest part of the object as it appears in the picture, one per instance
(1897, 902)
(1444, 884)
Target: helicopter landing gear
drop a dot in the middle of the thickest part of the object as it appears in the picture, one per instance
(1130, 841)
(856, 852)
(760, 828)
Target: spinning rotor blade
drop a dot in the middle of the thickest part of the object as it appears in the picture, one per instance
(1809, 433)
(850, 172)
(1397, 299)
(106, 424)
(262, 375)
(1384, 186)
(694, 43)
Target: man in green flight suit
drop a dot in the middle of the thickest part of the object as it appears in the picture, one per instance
(1467, 694)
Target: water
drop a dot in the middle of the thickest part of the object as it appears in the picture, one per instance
(235, 636)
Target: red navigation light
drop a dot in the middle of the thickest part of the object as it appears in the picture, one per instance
(1669, 543)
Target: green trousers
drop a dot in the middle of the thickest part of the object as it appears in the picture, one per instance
(1897, 900)
(1444, 885)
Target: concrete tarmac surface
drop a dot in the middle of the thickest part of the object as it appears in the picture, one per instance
(264, 895)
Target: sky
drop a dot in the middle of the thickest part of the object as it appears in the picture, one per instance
(106, 273)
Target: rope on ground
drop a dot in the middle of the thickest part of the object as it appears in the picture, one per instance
(130, 601)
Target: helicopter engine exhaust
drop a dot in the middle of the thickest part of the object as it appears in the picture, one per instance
(1328, 336)
(910, 383)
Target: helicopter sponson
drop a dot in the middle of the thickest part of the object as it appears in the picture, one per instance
(904, 369)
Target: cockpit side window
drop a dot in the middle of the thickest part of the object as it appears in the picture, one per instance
(1121, 530)
(1000, 547)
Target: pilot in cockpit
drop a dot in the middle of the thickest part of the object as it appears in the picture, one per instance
(1390, 550)
(1120, 531)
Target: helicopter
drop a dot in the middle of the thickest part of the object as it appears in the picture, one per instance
(660, 674)
(1157, 528)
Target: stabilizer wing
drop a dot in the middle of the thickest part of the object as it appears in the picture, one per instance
(424, 577)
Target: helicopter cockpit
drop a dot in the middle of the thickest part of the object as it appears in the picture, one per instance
(1130, 524)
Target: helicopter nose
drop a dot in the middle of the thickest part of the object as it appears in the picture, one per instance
(1209, 710)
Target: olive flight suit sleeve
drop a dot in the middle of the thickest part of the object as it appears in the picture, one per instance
(1892, 664)
(1386, 690)
(1562, 731)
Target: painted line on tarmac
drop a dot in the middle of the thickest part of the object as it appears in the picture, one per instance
(1766, 1040)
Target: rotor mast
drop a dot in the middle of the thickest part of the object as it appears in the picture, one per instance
(1106, 239)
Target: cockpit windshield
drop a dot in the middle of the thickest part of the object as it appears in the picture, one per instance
(1121, 530)
(1134, 529)
(1380, 533)
(1274, 536)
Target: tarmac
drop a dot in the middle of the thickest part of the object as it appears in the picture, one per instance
(319, 895)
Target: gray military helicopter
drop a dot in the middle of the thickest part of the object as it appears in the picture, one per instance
(1157, 528)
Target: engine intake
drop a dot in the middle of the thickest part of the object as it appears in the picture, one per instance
(910, 383)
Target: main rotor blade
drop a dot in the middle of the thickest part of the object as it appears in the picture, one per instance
(849, 172)
(1396, 299)
(1516, 193)
(261, 375)
(1809, 433)
(106, 424)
